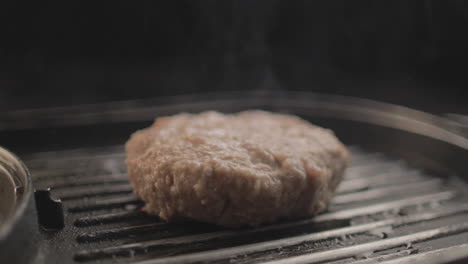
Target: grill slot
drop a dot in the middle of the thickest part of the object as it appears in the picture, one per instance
(372, 169)
(69, 160)
(394, 206)
(58, 174)
(377, 196)
(120, 232)
(385, 179)
(108, 203)
(79, 181)
(219, 234)
(425, 185)
(123, 188)
(111, 218)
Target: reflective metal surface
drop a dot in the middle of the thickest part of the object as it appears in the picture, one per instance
(14, 189)
(18, 219)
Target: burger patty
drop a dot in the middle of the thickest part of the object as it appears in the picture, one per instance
(234, 170)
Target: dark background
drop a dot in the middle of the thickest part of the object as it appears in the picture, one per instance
(411, 53)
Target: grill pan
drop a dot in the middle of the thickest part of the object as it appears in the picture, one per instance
(403, 198)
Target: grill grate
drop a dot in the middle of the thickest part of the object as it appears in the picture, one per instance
(384, 210)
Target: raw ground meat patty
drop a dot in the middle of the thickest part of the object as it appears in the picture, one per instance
(233, 170)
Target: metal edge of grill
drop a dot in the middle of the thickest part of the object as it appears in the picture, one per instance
(103, 222)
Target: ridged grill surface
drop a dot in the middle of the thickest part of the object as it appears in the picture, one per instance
(385, 210)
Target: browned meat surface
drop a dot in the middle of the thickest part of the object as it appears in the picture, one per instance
(233, 170)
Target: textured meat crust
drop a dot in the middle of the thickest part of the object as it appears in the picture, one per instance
(234, 170)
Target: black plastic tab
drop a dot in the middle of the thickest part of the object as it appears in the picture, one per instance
(49, 211)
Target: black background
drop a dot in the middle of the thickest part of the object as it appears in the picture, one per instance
(411, 53)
